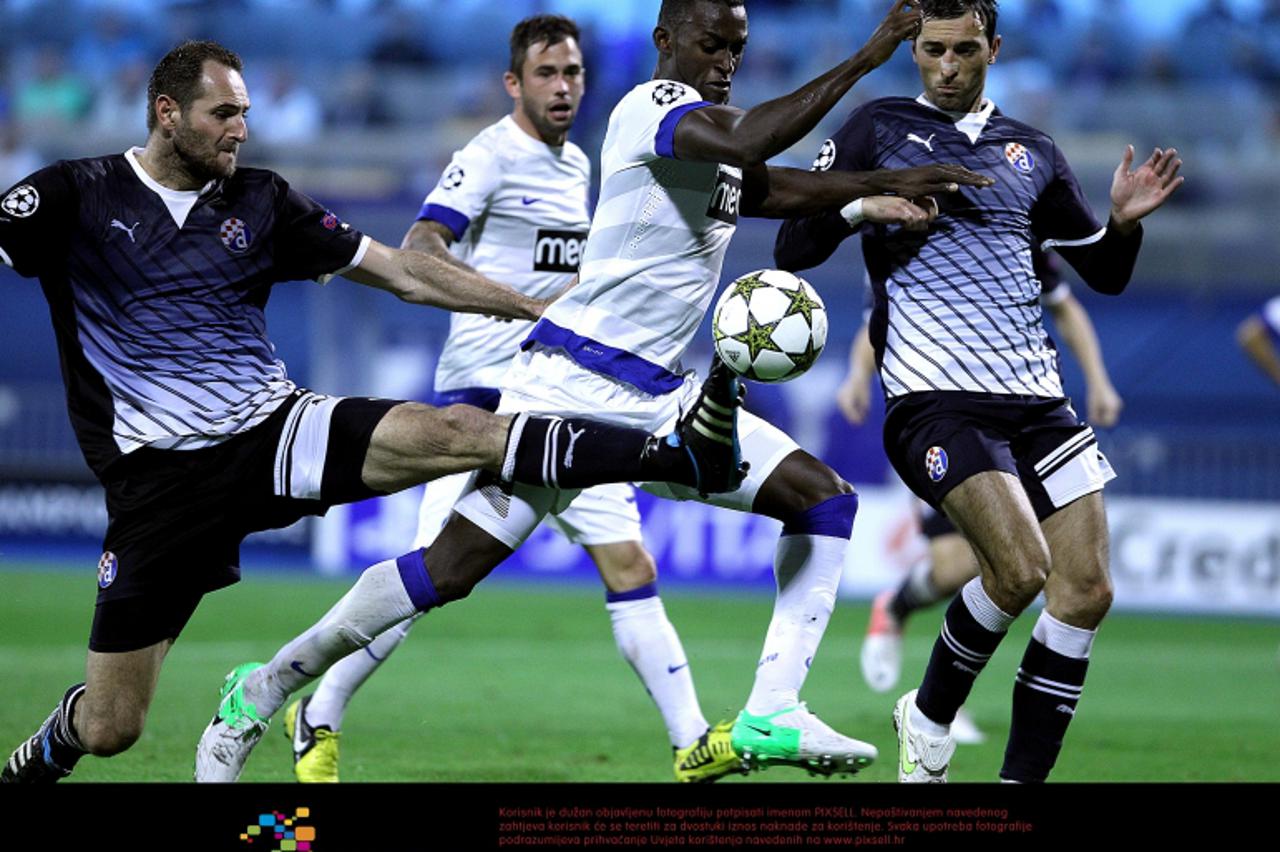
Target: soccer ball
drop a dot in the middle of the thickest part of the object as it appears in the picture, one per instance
(769, 326)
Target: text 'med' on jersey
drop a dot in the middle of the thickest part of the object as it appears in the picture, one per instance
(517, 209)
(958, 308)
(657, 243)
(157, 295)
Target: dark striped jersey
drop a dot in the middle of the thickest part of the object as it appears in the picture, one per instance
(958, 308)
(157, 296)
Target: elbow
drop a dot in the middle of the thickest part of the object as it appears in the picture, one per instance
(1108, 285)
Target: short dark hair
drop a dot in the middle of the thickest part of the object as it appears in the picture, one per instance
(551, 29)
(948, 9)
(178, 73)
(675, 12)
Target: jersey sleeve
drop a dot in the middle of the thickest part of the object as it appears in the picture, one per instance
(1062, 219)
(806, 241)
(644, 122)
(36, 219)
(465, 188)
(310, 242)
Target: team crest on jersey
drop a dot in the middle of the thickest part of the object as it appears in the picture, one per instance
(826, 157)
(108, 567)
(666, 93)
(935, 463)
(330, 222)
(453, 177)
(1019, 157)
(235, 235)
(21, 201)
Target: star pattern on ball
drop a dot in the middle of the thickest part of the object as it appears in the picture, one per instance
(801, 303)
(747, 285)
(757, 338)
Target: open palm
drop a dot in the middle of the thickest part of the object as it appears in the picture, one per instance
(1134, 194)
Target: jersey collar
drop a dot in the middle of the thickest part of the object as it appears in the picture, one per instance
(178, 201)
(971, 124)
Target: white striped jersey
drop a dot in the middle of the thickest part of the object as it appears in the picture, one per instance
(958, 308)
(157, 296)
(657, 243)
(517, 208)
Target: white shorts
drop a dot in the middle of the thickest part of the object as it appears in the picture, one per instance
(605, 514)
(542, 381)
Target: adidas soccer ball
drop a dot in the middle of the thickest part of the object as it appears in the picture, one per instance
(769, 326)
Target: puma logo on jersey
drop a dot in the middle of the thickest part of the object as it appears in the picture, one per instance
(558, 251)
(928, 143)
(116, 223)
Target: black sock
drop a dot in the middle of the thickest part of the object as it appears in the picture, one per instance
(959, 655)
(577, 453)
(63, 742)
(1045, 695)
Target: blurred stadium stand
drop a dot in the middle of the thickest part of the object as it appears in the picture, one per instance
(400, 85)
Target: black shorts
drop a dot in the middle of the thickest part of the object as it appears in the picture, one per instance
(936, 441)
(176, 518)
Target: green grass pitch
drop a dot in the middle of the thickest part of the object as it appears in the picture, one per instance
(522, 683)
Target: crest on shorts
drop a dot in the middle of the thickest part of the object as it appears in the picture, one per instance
(935, 463)
(108, 567)
(667, 92)
(235, 235)
(1019, 157)
(826, 157)
(21, 201)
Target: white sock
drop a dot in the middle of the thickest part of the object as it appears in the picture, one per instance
(377, 601)
(920, 582)
(329, 702)
(650, 644)
(807, 568)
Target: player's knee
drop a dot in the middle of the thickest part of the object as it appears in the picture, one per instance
(106, 735)
(800, 485)
(626, 568)
(1018, 586)
(455, 428)
(1091, 599)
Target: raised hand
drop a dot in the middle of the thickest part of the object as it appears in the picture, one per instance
(901, 24)
(1134, 194)
(929, 180)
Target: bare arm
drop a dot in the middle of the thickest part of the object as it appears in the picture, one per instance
(1102, 401)
(778, 193)
(854, 395)
(424, 279)
(724, 134)
(433, 238)
(1256, 343)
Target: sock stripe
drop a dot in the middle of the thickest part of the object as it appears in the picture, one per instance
(513, 442)
(1052, 687)
(416, 580)
(960, 650)
(648, 590)
(549, 454)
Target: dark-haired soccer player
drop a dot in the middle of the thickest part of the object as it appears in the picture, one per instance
(679, 165)
(512, 205)
(157, 265)
(976, 423)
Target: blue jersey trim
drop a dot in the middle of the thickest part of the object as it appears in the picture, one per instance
(486, 398)
(447, 216)
(593, 355)
(648, 590)
(665, 140)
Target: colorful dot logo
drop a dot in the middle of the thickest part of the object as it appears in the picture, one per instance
(283, 834)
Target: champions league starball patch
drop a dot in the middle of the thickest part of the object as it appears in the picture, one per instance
(21, 201)
(1019, 157)
(826, 157)
(108, 567)
(235, 235)
(667, 93)
(935, 463)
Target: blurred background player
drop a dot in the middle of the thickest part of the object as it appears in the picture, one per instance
(977, 424)
(678, 166)
(513, 206)
(950, 561)
(1259, 337)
